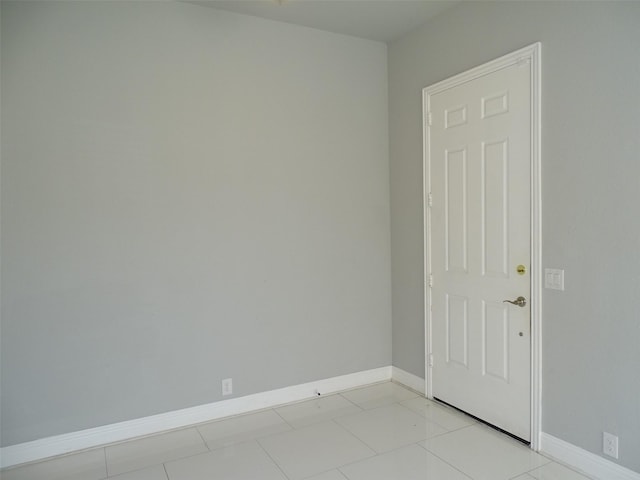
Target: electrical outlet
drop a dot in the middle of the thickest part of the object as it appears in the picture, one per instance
(227, 386)
(610, 444)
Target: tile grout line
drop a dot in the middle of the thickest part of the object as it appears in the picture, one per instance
(272, 459)
(357, 438)
(163, 461)
(283, 419)
(456, 468)
(202, 438)
(443, 460)
(321, 420)
(378, 454)
(433, 422)
(106, 465)
(551, 461)
(351, 402)
(337, 469)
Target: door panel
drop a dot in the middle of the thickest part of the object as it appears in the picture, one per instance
(479, 156)
(456, 210)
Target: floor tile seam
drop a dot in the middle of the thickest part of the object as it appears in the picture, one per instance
(275, 410)
(195, 425)
(375, 452)
(298, 402)
(451, 431)
(366, 410)
(553, 460)
(163, 463)
(50, 459)
(111, 477)
(435, 454)
(528, 472)
(449, 411)
(401, 446)
(433, 422)
(163, 460)
(511, 441)
(388, 452)
(522, 474)
(337, 469)
(344, 415)
(248, 440)
(445, 461)
(106, 465)
(202, 438)
(294, 427)
(439, 406)
(272, 459)
(443, 409)
(369, 447)
(406, 387)
(362, 387)
(570, 467)
(340, 467)
(102, 447)
(428, 420)
(337, 417)
(108, 446)
(442, 435)
(393, 450)
(350, 401)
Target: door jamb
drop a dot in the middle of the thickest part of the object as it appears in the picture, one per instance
(530, 54)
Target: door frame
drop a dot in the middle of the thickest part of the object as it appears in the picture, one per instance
(529, 54)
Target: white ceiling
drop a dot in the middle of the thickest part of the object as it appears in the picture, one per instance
(381, 20)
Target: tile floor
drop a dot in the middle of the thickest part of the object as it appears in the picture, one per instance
(380, 432)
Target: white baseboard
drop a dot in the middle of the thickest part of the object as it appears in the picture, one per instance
(408, 380)
(588, 463)
(118, 432)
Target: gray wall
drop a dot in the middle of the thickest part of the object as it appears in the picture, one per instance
(187, 195)
(591, 188)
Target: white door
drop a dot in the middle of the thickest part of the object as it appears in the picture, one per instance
(479, 150)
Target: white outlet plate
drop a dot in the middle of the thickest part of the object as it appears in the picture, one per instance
(227, 386)
(554, 278)
(610, 444)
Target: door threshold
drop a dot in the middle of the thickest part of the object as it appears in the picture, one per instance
(515, 437)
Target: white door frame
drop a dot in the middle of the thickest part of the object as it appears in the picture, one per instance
(528, 54)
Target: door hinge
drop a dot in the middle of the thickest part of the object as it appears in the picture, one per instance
(430, 280)
(428, 118)
(430, 200)
(431, 359)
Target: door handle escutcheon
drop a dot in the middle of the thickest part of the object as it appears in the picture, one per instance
(520, 301)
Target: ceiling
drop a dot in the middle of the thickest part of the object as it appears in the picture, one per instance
(381, 20)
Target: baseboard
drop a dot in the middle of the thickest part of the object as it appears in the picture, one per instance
(118, 432)
(588, 463)
(408, 380)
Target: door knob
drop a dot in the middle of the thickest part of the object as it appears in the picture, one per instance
(520, 301)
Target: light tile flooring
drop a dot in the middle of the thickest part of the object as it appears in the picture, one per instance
(380, 432)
